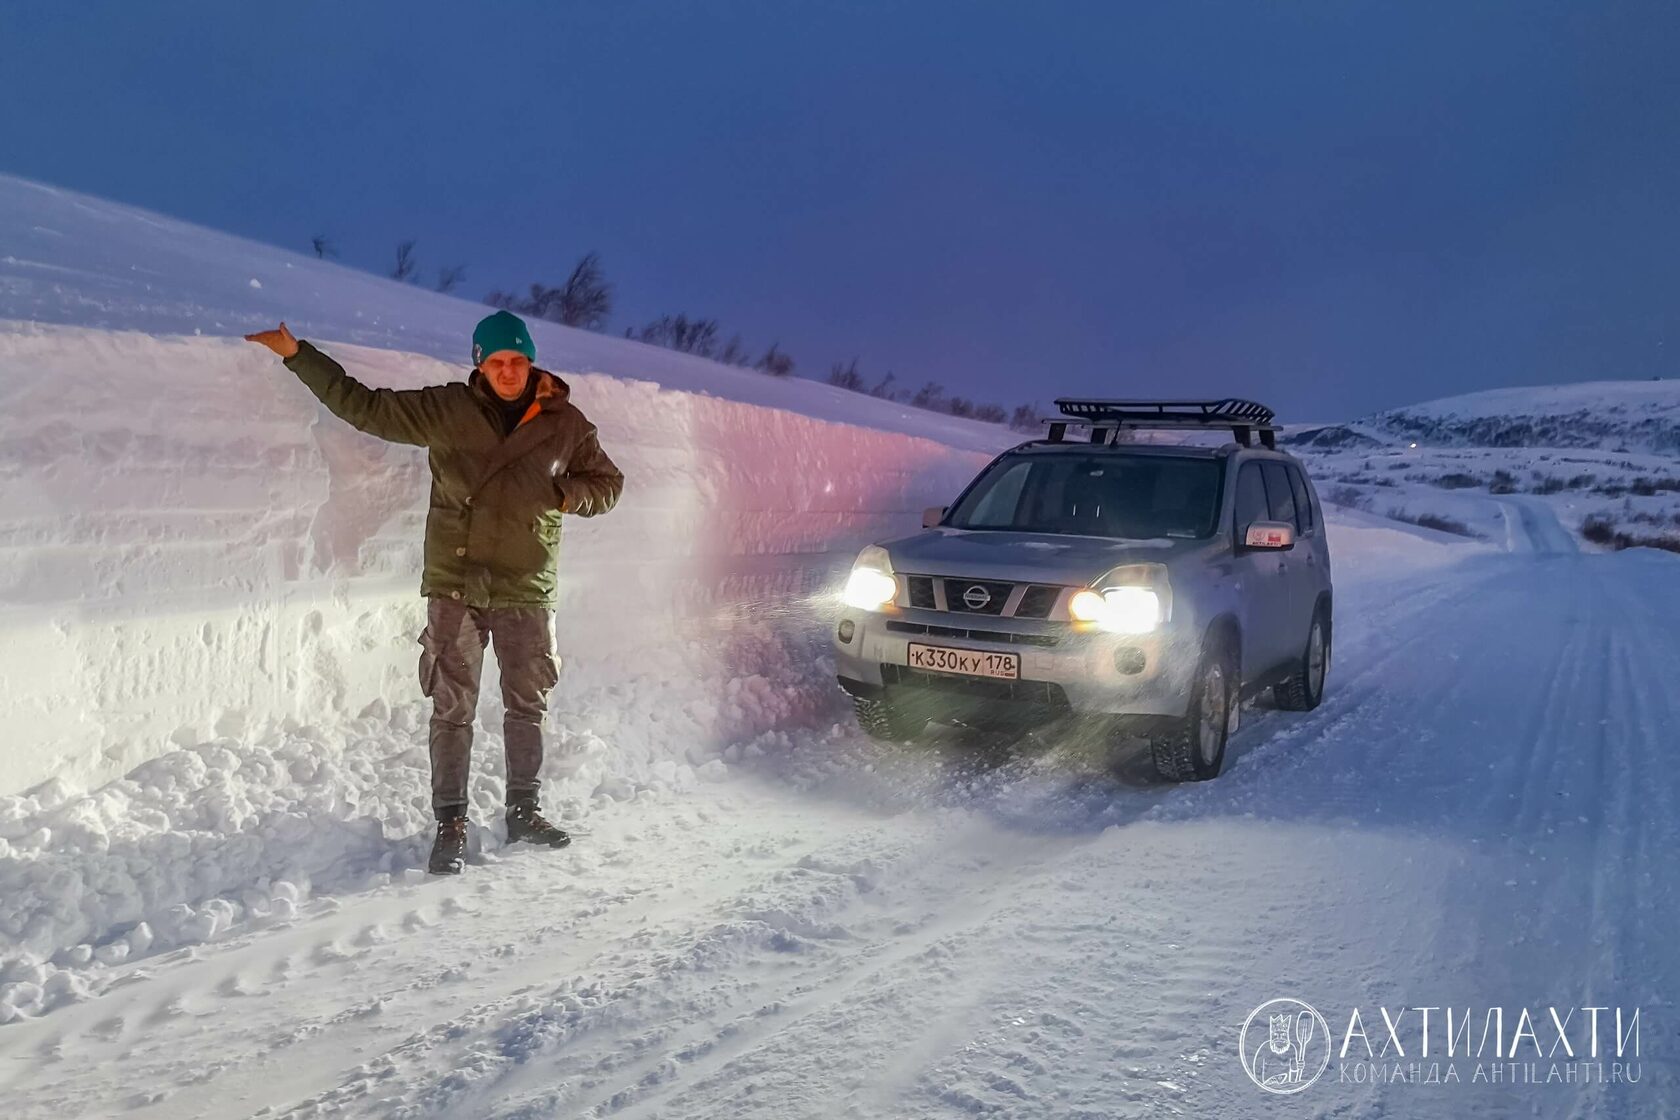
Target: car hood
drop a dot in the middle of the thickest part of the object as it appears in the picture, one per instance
(1026, 557)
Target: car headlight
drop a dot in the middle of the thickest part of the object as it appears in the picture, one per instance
(1132, 599)
(871, 585)
(1122, 610)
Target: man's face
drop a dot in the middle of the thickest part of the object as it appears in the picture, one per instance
(506, 371)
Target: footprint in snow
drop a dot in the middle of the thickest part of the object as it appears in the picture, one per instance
(239, 985)
(173, 1009)
(331, 952)
(108, 1030)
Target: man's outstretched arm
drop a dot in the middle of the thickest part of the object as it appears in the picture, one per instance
(592, 482)
(399, 415)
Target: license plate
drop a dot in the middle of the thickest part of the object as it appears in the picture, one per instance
(965, 662)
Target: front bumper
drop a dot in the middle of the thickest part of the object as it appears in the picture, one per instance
(1062, 663)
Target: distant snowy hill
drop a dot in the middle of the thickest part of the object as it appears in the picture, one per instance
(1598, 457)
(1632, 416)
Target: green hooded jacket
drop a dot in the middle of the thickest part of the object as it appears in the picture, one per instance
(493, 526)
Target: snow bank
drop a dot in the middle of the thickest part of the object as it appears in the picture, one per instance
(209, 596)
(193, 548)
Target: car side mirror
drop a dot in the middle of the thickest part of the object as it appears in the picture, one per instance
(933, 515)
(1279, 535)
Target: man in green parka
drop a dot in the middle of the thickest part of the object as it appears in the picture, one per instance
(509, 455)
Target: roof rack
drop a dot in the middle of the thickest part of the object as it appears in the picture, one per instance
(1246, 419)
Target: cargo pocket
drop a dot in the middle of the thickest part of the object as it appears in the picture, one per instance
(430, 649)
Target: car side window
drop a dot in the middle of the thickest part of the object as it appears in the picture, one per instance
(1251, 497)
(1281, 497)
(1303, 500)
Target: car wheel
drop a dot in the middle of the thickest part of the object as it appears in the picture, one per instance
(1304, 688)
(1194, 749)
(887, 722)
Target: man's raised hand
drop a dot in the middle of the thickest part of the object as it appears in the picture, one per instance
(280, 341)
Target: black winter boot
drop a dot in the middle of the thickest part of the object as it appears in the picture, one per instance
(449, 850)
(525, 823)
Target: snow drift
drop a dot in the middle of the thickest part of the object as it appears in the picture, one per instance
(190, 547)
(195, 548)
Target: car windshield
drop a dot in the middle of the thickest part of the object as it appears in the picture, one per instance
(1129, 497)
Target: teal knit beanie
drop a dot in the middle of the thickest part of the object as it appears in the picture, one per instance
(502, 331)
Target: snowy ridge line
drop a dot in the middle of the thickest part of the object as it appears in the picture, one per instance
(79, 260)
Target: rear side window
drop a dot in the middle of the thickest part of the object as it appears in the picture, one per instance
(1303, 501)
(1279, 495)
(1251, 497)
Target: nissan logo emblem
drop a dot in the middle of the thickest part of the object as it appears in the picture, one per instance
(977, 597)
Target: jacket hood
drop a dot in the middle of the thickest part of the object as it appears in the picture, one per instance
(552, 392)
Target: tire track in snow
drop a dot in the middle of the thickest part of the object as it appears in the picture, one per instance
(490, 1054)
(1552, 904)
(286, 1037)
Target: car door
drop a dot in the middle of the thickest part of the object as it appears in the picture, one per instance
(1295, 569)
(1264, 593)
(1314, 549)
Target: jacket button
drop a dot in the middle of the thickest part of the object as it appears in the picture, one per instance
(469, 499)
(454, 594)
(461, 551)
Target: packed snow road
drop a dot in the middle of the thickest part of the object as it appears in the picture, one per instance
(1480, 815)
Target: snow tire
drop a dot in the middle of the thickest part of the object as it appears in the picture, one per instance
(886, 722)
(1304, 688)
(1193, 749)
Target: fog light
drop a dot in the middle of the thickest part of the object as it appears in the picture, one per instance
(1130, 660)
(845, 630)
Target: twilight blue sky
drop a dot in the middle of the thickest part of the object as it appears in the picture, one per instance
(1332, 206)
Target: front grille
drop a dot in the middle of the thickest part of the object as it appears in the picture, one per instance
(1021, 692)
(981, 596)
(974, 635)
(987, 597)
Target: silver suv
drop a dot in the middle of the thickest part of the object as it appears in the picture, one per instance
(1159, 584)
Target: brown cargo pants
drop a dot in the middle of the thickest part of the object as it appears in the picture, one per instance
(451, 664)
